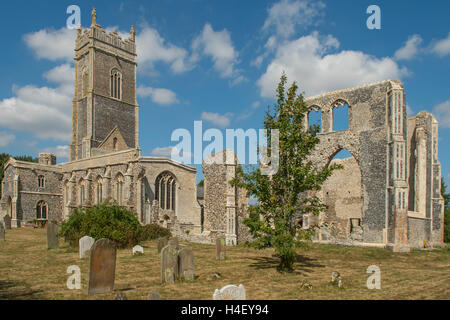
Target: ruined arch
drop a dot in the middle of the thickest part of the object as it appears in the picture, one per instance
(314, 117)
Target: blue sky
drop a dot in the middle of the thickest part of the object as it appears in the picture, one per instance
(218, 61)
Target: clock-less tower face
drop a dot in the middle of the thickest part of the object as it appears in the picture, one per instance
(105, 110)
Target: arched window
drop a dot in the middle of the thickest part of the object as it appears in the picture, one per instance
(99, 190)
(340, 115)
(84, 83)
(165, 191)
(41, 210)
(315, 118)
(116, 84)
(41, 181)
(119, 188)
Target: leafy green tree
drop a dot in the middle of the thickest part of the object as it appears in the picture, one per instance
(446, 211)
(289, 192)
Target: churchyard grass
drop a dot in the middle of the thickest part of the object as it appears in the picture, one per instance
(28, 270)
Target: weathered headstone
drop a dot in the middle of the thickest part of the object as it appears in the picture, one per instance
(102, 267)
(174, 241)
(220, 248)
(121, 296)
(2, 232)
(138, 250)
(85, 245)
(186, 267)
(169, 264)
(52, 236)
(7, 222)
(230, 292)
(154, 295)
(162, 242)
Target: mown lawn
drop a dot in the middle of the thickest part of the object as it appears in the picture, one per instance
(29, 271)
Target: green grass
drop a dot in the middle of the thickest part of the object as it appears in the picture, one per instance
(29, 271)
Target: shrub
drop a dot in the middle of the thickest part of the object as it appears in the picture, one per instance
(154, 231)
(103, 221)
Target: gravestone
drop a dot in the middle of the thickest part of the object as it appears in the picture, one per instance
(169, 264)
(102, 267)
(138, 250)
(186, 268)
(174, 241)
(2, 232)
(154, 295)
(85, 245)
(162, 242)
(7, 222)
(230, 292)
(52, 236)
(121, 296)
(220, 248)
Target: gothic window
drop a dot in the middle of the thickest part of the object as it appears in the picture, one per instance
(315, 118)
(116, 84)
(41, 210)
(340, 111)
(41, 181)
(119, 189)
(165, 187)
(99, 190)
(84, 83)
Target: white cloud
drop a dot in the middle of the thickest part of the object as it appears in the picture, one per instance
(285, 16)
(409, 111)
(256, 104)
(442, 113)
(217, 119)
(59, 151)
(442, 47)
(52, 44)
(152, 48)
(219, 47)
(6, 138)
(158, 95)
(307, 61)
(43, 111)
(410, 48)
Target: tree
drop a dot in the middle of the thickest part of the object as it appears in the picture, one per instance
(446, 211)
(288, 193)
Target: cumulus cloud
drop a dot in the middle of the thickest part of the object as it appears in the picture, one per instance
(442, 113)
(219, 47)
(310, 62)
(152, 48)
(217, 119)
(43, 111)
(442, 47)
(59, 151)
(158, 95)
(286, 15)
(410, 49)
(6, 138)
(52, 44)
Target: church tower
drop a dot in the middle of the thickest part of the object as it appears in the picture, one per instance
(104, 110)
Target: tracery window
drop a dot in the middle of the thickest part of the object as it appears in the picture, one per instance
(41, 181)
(165, 191)
(41, 210)
(116, 84)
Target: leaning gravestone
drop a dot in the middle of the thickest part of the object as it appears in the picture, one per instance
(186, 268)
(138, 250)
(85, 245)
(230, 292)
(2, 233)
(102, 267)
(220, 248)
(7, 222)
(52, 236)
(154, 295)
(169, 264)
(162, 242)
